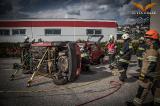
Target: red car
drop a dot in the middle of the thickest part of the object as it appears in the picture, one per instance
(96, 53)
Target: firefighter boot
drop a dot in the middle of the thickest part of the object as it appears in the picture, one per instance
(123, 76)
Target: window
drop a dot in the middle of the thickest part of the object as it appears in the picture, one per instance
(52, 31)
(18, 31)
(98, 31)
(93, 31)
(90, 31)
(4, 32)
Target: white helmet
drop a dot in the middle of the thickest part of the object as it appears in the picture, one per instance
(141, 38)
(125, 36)
(26, 37)
(111, 37)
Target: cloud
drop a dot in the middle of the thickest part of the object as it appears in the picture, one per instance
(119, 10)
(74, 12)
(130, 21)
(5, 7)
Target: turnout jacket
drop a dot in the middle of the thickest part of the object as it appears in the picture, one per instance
(126, 52)
(141, 49)
(151, 64)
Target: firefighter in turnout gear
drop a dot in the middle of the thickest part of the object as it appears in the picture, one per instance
(125, 56)
(85, 63)
(149, 79)
(111, 48)
(140, 52)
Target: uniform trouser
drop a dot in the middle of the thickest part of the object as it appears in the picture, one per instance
(111, 58)
(143, 90)
(140, 63)
(122, 67)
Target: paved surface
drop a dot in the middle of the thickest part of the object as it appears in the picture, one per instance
(89, 86)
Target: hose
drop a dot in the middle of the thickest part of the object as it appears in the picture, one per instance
(115, 84)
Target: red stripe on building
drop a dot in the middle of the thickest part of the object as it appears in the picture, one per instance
(57, 24)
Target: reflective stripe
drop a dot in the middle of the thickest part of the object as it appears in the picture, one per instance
(137, 101)
(123, 60)
(140, 58)
(130, 47)
(140, 48)
(157, 100)
(152, 58)
(141, 78)
(142, 75)
(121, 52)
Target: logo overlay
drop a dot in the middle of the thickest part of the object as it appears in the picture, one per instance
(144, 9)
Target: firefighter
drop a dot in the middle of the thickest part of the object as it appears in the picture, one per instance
(26, 39)
(125, 56)
(149, 79)
(140, 52)
(111, 48)
(85, 63)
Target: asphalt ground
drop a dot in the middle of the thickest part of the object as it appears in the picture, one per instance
(92, 88)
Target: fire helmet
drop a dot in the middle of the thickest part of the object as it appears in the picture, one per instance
(152, 34)
(111, 37)
(141, 38)
(125, 36)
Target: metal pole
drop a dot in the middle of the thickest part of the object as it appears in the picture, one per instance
(74, 32)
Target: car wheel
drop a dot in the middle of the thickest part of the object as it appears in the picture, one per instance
(74, 61)
(68, 66)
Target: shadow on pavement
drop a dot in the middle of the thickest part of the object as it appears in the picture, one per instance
(37, 83)
(97, 73)
(131, 80)
(20, 77)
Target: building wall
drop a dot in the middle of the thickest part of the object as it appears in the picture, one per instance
(67, 33)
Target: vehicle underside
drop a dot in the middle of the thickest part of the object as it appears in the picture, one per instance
(58, 60)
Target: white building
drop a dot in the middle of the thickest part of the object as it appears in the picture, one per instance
(55, 29)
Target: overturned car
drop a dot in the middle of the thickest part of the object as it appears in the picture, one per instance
(59, 60)
(91, 51)
(92, 46)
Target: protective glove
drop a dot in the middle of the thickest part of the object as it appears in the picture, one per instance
(142, 77)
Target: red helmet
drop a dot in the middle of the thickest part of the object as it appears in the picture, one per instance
(153, 34)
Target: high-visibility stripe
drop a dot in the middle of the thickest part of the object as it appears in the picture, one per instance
(140, 58)
(152, 58)
(130, 47)
(123, 60)
(137, 101)
(142, 75)
(140, 48)
(121, 52)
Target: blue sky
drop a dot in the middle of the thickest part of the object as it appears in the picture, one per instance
(119, 10)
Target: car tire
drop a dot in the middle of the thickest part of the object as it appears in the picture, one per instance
(73, 67)
(74, 61)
